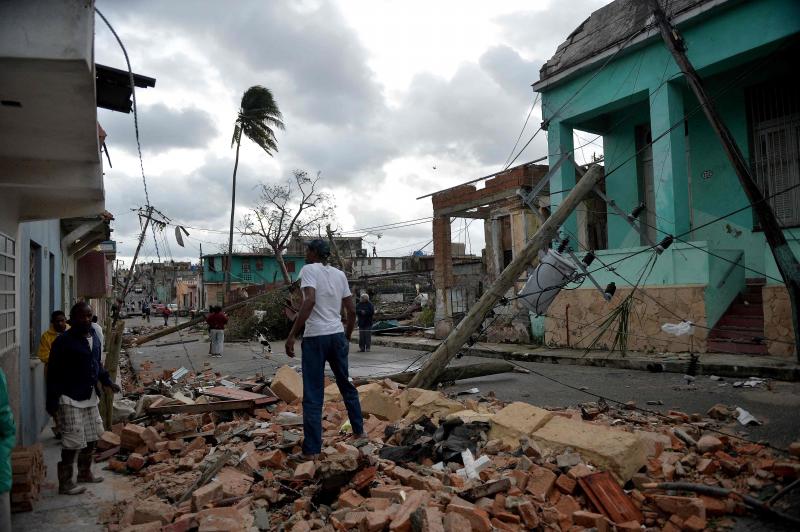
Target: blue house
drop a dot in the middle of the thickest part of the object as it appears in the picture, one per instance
(248, 269)
(614, 78)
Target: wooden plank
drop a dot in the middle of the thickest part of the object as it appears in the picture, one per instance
(105, 455)
(608, 498)
(217, 406)
(224, 392)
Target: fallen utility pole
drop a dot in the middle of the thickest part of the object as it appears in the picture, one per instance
(334, 247)
(785, 259)
(429, 374)
(201, 319)
(451, 374)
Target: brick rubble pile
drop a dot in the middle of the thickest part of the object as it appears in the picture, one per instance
(430, 463)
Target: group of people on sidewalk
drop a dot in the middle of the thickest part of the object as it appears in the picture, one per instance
(71, 351)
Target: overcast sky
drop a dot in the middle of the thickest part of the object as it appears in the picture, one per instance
(389, 100)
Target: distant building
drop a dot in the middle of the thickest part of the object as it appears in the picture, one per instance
(248, 269)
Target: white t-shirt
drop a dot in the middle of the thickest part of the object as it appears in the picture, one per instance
(330, 286)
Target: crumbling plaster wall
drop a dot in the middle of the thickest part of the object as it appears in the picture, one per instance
(778, 321)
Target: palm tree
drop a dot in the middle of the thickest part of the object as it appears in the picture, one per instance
(258, 115)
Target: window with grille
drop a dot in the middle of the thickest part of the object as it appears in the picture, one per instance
(7, 292)
(774, 110)
(245, 265)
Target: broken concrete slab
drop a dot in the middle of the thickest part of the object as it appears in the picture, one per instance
(287, 385)
(434, 405)
(517, 420)
(622, 452)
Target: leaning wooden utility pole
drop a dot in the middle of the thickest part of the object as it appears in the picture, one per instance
(112, 366)
(429, 373)
(784, 257)
(136, 254)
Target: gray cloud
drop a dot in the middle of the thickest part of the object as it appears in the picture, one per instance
(160, 128)
(510, 71)
(539, 32)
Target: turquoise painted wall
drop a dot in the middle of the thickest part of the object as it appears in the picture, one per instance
(270, 271)
(645, 86)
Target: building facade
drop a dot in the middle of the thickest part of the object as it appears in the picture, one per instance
(50, 177)
(614, 77)
(247, 269)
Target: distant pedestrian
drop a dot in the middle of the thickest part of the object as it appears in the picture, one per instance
(365, 310)
(72, 395)
(325, 339)
(216, 331)
(8, 438)
(167, 313)
(146, 311)
(374, 252)
(98, 330)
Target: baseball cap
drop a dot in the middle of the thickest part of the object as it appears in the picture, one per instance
(320, 246)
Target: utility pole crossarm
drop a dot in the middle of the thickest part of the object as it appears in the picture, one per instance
(785, 259)
(448, 349)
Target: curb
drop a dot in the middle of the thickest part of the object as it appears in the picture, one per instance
(673, 363)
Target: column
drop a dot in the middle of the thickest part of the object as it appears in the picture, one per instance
(442, 274)
(560, 141)
(670, 177)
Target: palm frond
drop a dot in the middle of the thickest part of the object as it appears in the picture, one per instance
(258, 115)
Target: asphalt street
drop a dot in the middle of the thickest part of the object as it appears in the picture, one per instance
(775, 404)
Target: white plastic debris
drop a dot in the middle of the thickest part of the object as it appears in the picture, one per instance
(715, 378)
(745, 418)
(228, 384)
(678, 329)
(178, 373)
(469, 392)
(471, 466)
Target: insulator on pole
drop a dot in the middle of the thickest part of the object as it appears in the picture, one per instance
(636, 212)
(664, 244)
(610, 290)
(562, 247)
(588, 259)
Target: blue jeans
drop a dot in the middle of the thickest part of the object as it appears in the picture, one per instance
(317, 350)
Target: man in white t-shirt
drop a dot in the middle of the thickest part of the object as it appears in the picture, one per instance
(325, 291)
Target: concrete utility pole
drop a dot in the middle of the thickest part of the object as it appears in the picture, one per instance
(784, 257)
(429, 373)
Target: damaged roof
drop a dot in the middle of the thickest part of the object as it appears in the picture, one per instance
(606, 29)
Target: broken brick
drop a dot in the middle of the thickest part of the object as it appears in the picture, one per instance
(350, 499)
(305, 471)
(207, 494)
(135, 462)
(566, 484)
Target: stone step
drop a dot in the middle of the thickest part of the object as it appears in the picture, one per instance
(741, 322)
(735, 333)
(724, 346)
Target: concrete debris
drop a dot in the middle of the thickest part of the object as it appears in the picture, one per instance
(429, 463)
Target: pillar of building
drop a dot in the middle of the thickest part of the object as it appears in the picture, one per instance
(442, 274)
(670, 172)
(560, 141)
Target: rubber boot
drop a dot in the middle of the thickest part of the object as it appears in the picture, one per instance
(85, 458)
(65, 469)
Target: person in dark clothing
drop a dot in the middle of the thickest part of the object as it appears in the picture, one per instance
(146, 311)
(74, 371)
(365, 310)
(216, 331)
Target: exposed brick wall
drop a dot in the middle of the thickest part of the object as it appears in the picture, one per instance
(523, 176)
(442, 253)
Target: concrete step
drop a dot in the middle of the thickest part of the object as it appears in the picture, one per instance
(745, 335)
(740, 309)
(723, 346)
(741, 322)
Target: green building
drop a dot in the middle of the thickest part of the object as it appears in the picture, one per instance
(248, 270)
(613, 77)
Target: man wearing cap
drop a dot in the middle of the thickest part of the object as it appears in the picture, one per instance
(325, 292)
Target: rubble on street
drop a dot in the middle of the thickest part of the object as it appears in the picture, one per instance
(211, 453)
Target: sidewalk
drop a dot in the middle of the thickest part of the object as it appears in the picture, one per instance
(721, 364)
(71, 513)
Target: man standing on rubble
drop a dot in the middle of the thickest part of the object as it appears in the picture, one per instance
(325, 292)
(365, 311)
(73, 375)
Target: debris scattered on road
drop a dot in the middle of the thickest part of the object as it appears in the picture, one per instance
(222, 461)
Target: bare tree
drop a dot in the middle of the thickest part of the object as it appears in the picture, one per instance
(293, 207)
